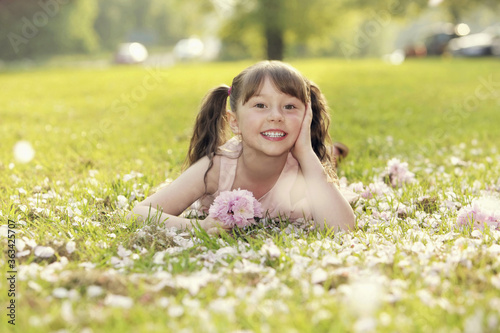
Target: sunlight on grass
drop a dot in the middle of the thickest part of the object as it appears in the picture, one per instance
(424, 144)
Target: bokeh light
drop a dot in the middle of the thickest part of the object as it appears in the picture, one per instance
(23, 152)
(462, 29)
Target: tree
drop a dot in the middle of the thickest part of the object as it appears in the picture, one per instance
(114, 20)
(457, 9)
(279, 22)
(272, 12)
(163, 21)
(37, 28)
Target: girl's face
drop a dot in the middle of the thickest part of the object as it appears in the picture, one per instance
(269, 122)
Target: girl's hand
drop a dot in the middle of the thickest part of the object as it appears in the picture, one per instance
(303, 145)
(213, 226)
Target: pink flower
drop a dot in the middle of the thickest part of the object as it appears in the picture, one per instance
(235, 208)
(482, 211)
(398, 174)
(357, 187)
(375, 189)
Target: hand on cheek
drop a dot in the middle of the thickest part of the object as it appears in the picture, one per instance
(303, 143)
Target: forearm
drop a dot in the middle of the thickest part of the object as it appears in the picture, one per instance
(143, 212)
(328, 206)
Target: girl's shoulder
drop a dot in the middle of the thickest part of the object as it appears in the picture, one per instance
(227, 155)
(203, 173)
(213, 174)
(231, 149)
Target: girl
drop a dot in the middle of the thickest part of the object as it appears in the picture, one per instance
(281, 153)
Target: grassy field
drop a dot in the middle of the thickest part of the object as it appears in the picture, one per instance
(104, 138)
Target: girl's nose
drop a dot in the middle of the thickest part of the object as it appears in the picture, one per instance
(275, 114)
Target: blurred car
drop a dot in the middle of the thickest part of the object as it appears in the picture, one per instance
(434, 39)
(189, 48)
(437, 41)
(131, 53)
(485, 43)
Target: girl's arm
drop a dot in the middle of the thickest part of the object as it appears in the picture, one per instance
(169, 202)
(328, 207)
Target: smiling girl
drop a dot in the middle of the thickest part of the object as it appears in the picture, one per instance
(281, 152)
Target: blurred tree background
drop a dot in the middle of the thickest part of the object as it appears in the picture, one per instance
(273, 29)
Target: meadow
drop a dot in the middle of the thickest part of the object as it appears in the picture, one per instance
(104, 138)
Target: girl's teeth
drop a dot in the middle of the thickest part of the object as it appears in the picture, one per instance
(274, 134)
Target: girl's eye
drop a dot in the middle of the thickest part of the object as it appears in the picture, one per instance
(290, 107)
(260, 105)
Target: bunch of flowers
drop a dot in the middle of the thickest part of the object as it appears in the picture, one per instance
(481, 211)
(235, 208)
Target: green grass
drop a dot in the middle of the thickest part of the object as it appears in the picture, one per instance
(94, 130)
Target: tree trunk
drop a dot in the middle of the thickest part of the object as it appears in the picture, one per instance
(274, 47)
(455, 14)
(272, 13)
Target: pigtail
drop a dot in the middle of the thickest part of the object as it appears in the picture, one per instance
(320, 136)
(210, 126)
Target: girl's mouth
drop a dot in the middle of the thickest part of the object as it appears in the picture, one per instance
(274, 135)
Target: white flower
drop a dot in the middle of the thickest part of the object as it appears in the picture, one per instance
(226, 252)
(425, 297)
(20, 244)
(122, 252)
(194, 282)
(132, 175)
(67, 311)
(70, 247)
(35, 286)
(163, 302)
(331, 259)
(495, 281)
(158, 258)
(175, 311)
(456, 161)
(223, 305)
(44, 251)
(494, 249)
(118, 301)
(418, 247)
(4, 231)
(319, 275)
(121, 202)
(94, 291)
(365, 324)
(476, 234)
(364, 297)
(474, 323)
(270, 249)
(93, 173)
(87, 265)
(22, 253)
(60, 293)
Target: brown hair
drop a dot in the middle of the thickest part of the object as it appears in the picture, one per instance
(211, 128)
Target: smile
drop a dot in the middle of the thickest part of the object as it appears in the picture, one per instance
(274, 134)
